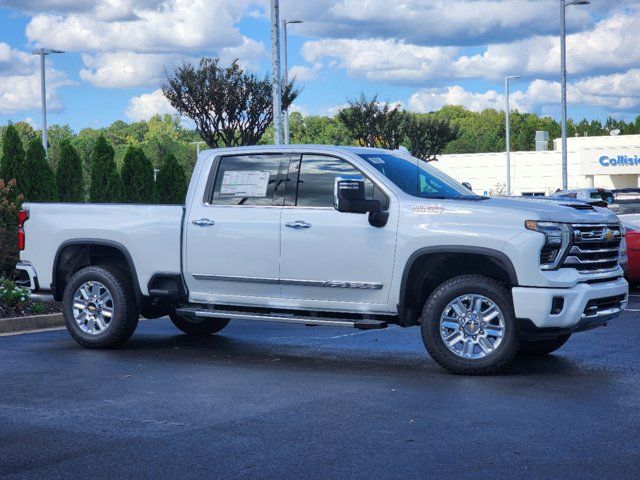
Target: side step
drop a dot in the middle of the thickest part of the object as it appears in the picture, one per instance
(359, 323)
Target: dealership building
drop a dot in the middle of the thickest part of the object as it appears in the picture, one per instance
(601, 162)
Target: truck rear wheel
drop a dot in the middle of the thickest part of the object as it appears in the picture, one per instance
(100, 308)
(468, 325)
(206, 326)
(543, 347)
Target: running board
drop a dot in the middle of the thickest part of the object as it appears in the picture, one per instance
(359, 323)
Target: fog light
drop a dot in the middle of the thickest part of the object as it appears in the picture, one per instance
(557, 305)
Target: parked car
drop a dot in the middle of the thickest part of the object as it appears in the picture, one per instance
(626, 201)
(338, 236)
(631, 225)
(596, 196)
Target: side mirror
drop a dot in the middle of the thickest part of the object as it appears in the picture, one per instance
(349, 196)
(468, 185)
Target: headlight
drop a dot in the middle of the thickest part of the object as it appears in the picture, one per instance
(557, 238)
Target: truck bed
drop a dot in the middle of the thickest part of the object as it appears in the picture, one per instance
(149, 234)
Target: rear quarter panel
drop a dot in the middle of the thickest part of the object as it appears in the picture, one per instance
(149, 233)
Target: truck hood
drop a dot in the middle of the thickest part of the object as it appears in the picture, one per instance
(554, 210)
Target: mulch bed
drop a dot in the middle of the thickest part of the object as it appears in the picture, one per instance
(29, 309)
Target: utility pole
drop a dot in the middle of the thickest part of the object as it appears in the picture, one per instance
(285, 74)
(508, 135)
(277, 77)
(43, 52)
(563, 70)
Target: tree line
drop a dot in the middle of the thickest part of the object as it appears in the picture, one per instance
(35, 179)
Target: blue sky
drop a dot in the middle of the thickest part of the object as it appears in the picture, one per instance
(423, 54)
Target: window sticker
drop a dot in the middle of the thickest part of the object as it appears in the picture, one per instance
(244, 183)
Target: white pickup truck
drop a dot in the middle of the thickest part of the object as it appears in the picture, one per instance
(336, 236)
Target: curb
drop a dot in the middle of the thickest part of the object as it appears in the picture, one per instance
(35, 322)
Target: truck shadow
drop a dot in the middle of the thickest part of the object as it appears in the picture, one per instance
(300, 352)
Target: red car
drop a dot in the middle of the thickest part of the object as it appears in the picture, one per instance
(632, 270)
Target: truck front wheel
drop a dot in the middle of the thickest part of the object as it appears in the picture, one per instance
(468, 325)
(207, 326)
(100, 309)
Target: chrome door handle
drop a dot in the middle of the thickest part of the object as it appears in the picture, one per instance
(298, 224)
(203, 222)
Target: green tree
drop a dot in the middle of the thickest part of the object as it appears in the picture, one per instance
(106, 186)
(39, 182)
(137, 177)
(56, 134)
(10, 201)
(374, 124)
(229, 106)
(70, 174)
(171, 182)
(428, 135)
(12, 162)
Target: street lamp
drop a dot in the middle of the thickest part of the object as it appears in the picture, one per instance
(285, 73)
(508, 111)
(43, 52)
(563, 68)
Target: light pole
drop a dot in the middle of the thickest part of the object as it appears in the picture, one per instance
(285, 73)
(508, 112)
(563, 68)
(277, 77)
(197, 144)
(43, 52)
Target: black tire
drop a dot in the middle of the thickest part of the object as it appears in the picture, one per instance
(430, 325)
(207, 326)
(124, 319)
(543, 347)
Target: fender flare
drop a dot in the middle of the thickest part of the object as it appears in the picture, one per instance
(94, 242)
(496, 256)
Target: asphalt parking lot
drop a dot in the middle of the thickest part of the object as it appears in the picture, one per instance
(278, 401)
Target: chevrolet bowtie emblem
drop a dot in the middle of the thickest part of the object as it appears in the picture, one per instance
(607, 234)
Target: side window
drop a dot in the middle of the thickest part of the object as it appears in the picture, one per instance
(247, 180)
(317, 178)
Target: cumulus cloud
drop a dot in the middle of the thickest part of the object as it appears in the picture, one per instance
(610, 45)
(620, 92)
(436, 22)
(22, 92)
(20, 82)
(171, 25)
(303, 73)
(15, 62)
(126, 69)
(145, 106)
(382, 59)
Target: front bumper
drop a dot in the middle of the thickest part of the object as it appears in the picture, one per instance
(583, 305)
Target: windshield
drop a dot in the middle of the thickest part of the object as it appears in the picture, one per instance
(423, 181)
(604, 196)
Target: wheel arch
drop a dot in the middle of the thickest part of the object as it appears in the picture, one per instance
(82, 252)
(431, 266)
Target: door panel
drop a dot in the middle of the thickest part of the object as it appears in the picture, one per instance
(233, 237)
(333, 256)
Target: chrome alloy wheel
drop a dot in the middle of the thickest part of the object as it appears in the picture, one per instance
(472, 326)
(93, 308)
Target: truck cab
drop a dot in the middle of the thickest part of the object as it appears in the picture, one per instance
(340, 236)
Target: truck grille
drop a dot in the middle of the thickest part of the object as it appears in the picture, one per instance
(594, 247)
